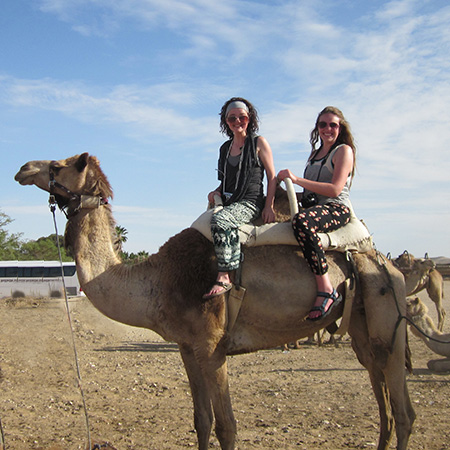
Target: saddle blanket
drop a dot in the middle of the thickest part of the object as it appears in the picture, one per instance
(352, 237)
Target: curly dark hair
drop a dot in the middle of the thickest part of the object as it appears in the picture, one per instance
(345, 134)
(253, 123)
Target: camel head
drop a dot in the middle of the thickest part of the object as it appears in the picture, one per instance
(404, 261)
(67, 179)
(415, 307)
(407, 263)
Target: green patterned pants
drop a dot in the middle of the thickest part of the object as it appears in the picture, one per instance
(224, 230)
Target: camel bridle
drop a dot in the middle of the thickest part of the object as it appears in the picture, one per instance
(77, 201)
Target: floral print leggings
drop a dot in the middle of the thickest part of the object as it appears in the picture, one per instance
(320, 218)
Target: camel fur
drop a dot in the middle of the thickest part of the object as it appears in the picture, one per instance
(434, 339)
(164, 294)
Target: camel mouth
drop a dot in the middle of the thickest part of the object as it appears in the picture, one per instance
(24, 176)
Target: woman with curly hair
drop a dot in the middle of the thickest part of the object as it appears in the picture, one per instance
(243, 159)
(326, 183)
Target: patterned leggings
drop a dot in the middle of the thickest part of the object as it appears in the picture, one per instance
(309, 222)
(224, 230)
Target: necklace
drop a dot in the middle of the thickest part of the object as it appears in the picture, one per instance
(235, 148)
(226, 164)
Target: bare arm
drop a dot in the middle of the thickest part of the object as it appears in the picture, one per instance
(217, 191)
(266, 156)
(343, 165)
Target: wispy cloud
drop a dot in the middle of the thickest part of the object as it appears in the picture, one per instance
(156, 109)
(385, 65)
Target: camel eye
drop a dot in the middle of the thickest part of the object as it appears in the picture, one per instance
(55, 169)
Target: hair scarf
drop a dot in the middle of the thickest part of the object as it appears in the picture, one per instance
(249, 160)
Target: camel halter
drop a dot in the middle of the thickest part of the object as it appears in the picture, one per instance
(82, 201)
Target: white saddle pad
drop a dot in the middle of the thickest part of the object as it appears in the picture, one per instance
(354, 236)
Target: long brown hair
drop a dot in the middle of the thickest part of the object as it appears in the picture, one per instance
(253, 123)
(345, 135)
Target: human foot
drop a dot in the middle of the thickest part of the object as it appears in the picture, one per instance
(321, 311)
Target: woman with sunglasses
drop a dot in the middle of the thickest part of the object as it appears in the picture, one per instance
(243, 159)
(326, 183)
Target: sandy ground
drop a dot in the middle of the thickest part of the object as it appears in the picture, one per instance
(137, 394)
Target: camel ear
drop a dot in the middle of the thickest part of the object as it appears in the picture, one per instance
(82, 162)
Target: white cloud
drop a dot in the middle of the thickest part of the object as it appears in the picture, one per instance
(386, 66)
(150, 110)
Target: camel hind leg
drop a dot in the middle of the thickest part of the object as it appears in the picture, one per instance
(361, 345)
(372, 328)
(389, 387)
(435, 290)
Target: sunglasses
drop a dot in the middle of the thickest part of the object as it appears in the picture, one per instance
(333, 125)
(242, 119)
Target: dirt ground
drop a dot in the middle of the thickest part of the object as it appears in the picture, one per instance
(137, 394)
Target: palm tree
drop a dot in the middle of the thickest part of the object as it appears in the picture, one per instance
(121, 235)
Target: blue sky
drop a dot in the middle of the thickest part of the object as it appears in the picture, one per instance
(140, 83)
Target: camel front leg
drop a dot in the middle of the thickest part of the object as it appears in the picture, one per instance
(203, 417)
(216, 372)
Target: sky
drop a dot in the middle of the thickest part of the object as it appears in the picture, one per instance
(140, 84)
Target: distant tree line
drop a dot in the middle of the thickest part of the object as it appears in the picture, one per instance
(14, 247)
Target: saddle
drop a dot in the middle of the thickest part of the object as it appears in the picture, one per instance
(354, 236)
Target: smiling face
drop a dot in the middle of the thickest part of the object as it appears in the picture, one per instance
(328, 126)
(237, 120)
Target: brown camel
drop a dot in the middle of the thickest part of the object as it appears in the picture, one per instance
(421, 273)
(417, 312)
(164, 294)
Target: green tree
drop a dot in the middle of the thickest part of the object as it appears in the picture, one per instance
(9, 243)
(45, 248)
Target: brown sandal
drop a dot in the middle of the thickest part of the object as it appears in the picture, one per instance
(226, 287)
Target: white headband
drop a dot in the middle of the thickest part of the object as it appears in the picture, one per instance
(238, 104)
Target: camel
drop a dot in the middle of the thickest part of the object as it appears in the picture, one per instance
(164, 294)
(421, 273)
(434, 339)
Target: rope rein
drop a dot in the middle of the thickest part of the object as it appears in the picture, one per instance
(52, 204)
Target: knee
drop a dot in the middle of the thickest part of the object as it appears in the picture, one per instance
(380, 351)
(299, 221)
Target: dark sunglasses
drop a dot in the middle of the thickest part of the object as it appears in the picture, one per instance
(233, 119)
(331, 124)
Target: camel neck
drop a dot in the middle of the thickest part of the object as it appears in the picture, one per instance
(104, 278)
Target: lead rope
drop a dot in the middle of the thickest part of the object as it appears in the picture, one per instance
(2, 437)
(52, 203)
